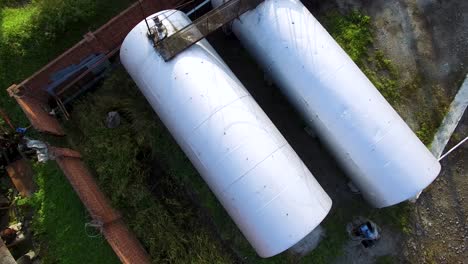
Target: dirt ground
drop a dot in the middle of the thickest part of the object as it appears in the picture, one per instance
(425, 39)
(441, 213)
(428, 39)
(355, 253)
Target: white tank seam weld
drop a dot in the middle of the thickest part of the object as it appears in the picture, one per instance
(243, 143)
(255, 166)
(387, 129)
(277, 195)
(271, 200)
(221, 108)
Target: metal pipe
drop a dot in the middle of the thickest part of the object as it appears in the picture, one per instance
(189, 13)
(454, 148)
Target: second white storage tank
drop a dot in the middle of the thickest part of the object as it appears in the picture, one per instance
(261, 182)
(381, 154)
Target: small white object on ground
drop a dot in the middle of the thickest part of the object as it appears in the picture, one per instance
(42, 151)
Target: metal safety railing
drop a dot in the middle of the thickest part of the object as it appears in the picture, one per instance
(170, 46)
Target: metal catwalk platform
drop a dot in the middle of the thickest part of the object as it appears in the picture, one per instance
(200, 28)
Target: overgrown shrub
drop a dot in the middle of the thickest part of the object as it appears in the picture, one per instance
(55, 16)
(59, 222)
(33, 32)
(431, 113)
(352, 32)
(153, 200)
(16, 31)
(12, 3)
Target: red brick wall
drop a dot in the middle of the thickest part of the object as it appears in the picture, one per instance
(105, 39)
(120, 238)
(31, 95)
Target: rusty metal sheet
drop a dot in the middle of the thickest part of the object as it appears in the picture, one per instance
(21, 175)
(39, 118)
(5, 255)
(123, 242)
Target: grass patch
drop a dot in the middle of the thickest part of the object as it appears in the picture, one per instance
(124, 158)
(167, 237)
(13, 22)
(354, 34)
(162, 216)
(396, 217)
(332, 246)
(431, 115)
(31, 34)
(386, 260)
(59, 222)
(154, 203)
(427, 128)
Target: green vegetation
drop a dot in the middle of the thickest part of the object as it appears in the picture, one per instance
(396, 217)
(386, 260)
(59, 222)
(354, 34)
(31, 34)
(431, 114)
(332, 246)
(163, 216)
(177, 218)
(426, 129)
(385, 77)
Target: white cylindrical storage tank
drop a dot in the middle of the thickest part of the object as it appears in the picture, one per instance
(253, 171)
(377, 149)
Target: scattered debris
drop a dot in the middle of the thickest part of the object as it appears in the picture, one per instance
(96, 225)
(8, 235)
(113, 119)
(13, 235)
(9, 147)
(41, 148)
(365, 231)
(28, 258)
